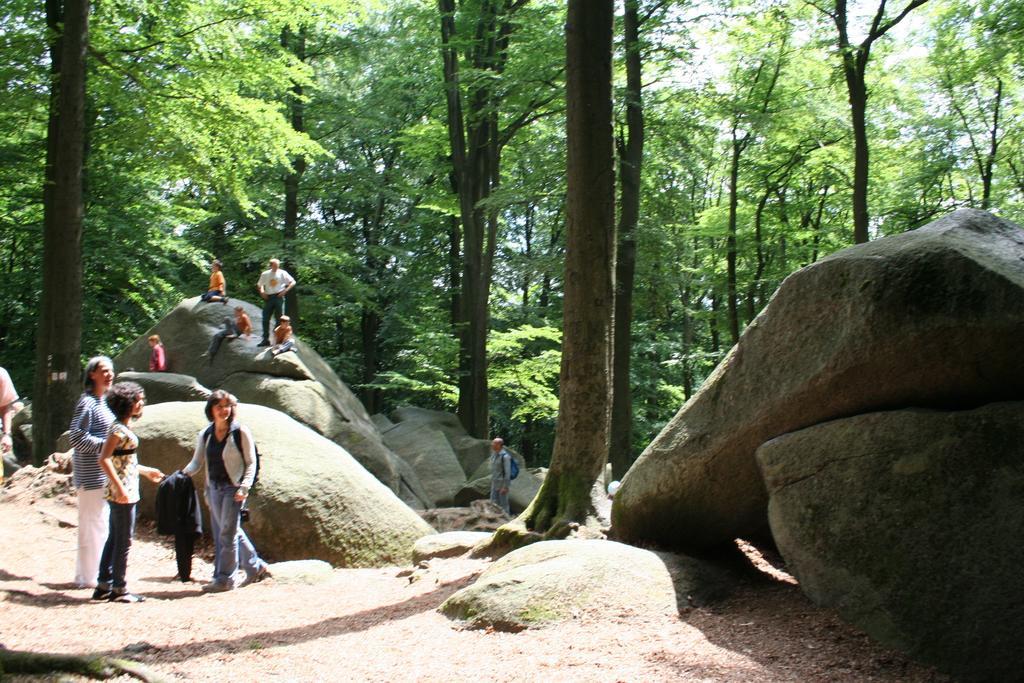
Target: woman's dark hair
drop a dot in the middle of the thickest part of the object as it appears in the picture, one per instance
(121, 399)
(215, 398)
(90, 368)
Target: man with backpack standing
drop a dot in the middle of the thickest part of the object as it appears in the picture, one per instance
(501, 474)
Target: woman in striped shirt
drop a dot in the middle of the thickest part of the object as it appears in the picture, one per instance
(88, 432)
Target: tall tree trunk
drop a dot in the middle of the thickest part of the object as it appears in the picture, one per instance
(631, 159)
(738, 145)
(855, 62)
(58, 344)
(581, 438)
(993, 148)
(296, 44)
(528, 221)
(853, 69)
(474, 156)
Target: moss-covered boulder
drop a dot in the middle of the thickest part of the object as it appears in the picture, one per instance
(313, 501)
(552, 581)
(910, 523)
(300, 384)
(933, 317)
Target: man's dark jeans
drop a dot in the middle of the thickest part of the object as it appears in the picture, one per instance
(273, 305)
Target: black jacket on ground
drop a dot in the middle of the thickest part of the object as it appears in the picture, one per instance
(177, 506)
(178, 512)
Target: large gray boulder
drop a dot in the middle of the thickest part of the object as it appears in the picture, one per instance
(300, 384)
(469, 450)
(910, 523)
(552, 581)
(313, 501)
(430, 455)
(165, 387)
(932, 317)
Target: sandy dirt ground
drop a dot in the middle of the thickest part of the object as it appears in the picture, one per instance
(378, 625)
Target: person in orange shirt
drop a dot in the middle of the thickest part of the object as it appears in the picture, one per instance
(218, 290)
(241, 325)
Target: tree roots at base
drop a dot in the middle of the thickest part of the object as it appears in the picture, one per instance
(99, 667)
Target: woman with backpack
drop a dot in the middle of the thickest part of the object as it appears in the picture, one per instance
(229, 453)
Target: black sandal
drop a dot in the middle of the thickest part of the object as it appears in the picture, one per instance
(101, 594)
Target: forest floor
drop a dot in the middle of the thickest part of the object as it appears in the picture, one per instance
(378, 625)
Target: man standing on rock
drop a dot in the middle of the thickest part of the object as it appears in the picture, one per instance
(273, 285)
(501, 474)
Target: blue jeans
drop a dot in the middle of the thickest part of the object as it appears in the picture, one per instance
(498, 498)
(114, 560)
(230, 543)
(273, 305)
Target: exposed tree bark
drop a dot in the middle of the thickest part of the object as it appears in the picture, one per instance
(855, 62)
(581, 438)
(631, 152)
(58, 344)
(296, 44)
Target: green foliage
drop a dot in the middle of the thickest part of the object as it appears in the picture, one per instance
(524, 364)
(190, 140)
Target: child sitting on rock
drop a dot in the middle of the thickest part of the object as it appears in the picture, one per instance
(218, 290)
(241, 325)
(283, 340)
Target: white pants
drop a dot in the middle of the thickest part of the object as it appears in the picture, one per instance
(93, 523)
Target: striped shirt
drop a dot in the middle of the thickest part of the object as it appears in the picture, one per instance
(89, 427)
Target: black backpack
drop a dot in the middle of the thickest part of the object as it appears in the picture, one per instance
(236, 434)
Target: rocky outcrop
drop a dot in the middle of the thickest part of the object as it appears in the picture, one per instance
(469, 450)
(909, 523)
(448, 544)
(456, 465)
(431, 457)
(313, 501)
(165, 387)
(300, 384)
(478, 515)
(551, 581)
(932, 317)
